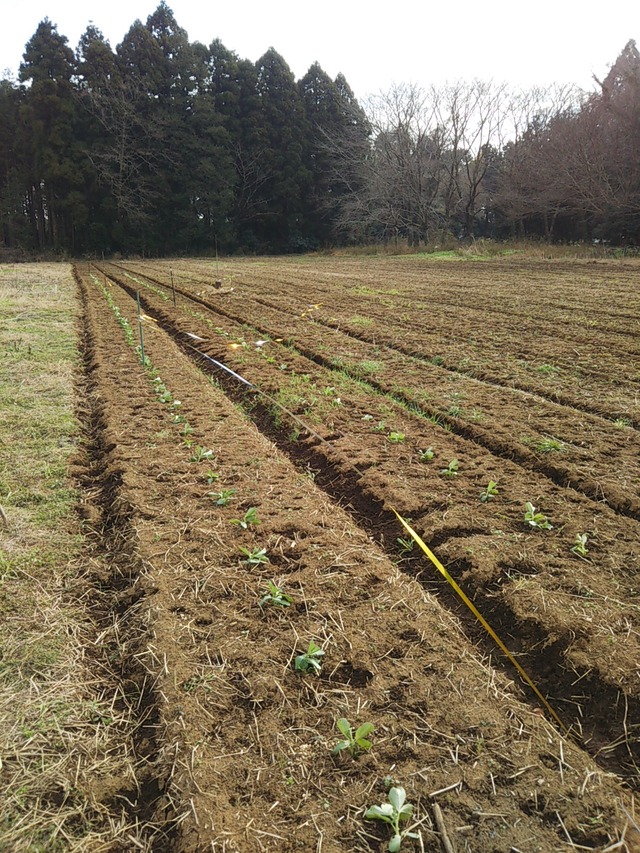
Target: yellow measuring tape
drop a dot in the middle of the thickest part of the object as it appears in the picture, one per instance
(462, 595)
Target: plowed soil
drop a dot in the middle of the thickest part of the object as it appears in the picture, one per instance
(316, 396)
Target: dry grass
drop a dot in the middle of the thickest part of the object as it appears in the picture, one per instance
(65, 727)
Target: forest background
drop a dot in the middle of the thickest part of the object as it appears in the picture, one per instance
(165, 146)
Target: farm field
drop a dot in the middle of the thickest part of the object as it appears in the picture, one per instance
(496, 406)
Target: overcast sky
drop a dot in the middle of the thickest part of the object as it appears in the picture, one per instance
(372, 44)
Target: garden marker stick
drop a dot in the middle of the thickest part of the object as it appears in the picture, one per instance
(436, 562)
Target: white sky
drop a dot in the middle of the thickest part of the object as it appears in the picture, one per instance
(372, 44)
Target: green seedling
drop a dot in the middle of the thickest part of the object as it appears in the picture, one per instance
(394, 813)
(310, 660)
(536, 519)
(379, 427)
(490, 492)
(275, 596)
(547, 445)
(250, 517)
(165, 396)
(255, 556)
(452, 469)
(212, 476)
(356, 741)
(187, 429)
(427, 455)
(580, 547)
(200, 454)
(223, 497)
(396, 437)
(622, 423)
(406, 545)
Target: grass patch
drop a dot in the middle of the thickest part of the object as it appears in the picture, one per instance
(61, 728)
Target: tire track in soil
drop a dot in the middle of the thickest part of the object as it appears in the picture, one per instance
(119, 594)
(558, 474)
(603, 715)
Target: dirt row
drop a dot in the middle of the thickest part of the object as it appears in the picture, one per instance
(497, 328)
(573, 447)
(573, 620)
(239, 751)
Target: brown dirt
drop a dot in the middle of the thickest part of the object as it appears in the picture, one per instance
(238, 744)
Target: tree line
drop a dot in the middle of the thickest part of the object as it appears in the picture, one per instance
(164, 146)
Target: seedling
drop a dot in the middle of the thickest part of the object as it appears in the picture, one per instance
(200, 454)
(275, 597)
(310, 660)
(536, 519)
(356, 741)
(406, 545)
(212, 476)
(394, 813)
(580, 548)
(223, 497)
(452, 469)
(255, 556)
(379, 427)
(490, 492)
(250, 517)
(187, 429)
(396, 437)
(427, 455)
(546, 445)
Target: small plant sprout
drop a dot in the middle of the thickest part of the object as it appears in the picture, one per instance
(275, 597)
(406, 545)
(536, 519)
(396, 437)
(452, 469)
(490, 492)
(580, 547)
(426, 455)
(223, 497)
(547, 445)
(255, 556)
(212, 476)
(250, 517)
(356, 741)
(200, 454)
(310, 660)
(394, 813)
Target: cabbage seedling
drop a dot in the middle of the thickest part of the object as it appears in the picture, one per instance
(580, 548)
(254, 556)
(490, 492)
(452, 469)
(395, 812)
(536, 519)
(396, 437)
(310, 660)
(250, 517)
(274, 595)
(427, 455)
(200, 454)
(223, 497)
(356, 741)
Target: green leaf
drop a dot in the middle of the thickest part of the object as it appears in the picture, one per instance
(363, 730)
(397, 797)
(344, 727)
(395, 844)
(342, 744)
